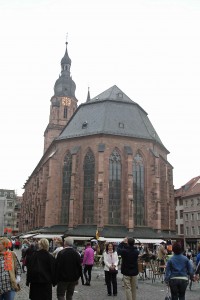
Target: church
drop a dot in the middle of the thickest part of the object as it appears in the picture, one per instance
(104, 168)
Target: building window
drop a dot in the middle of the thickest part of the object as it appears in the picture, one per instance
(192, 202)
(192, 217)
(138, 190)
(66, 187)
(198, 201)
(181, 229)
(9, 204)
(186, 217)
(186, 230)
(198, 216)
(176, 214)
(114, 214)
(88, 194)
(121, 125)
(186, 203)
(181, 214)
(198, 230)
(180, 202)
(192, 230)
(65, 113)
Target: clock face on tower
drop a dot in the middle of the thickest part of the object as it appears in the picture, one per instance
(66, 101)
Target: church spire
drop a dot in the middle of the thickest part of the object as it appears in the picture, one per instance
(64, 85)
(88, 95)
(65, 61)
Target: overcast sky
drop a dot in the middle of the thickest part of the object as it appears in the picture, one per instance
(149, 48)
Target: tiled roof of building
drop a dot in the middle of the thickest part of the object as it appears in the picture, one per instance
(192, 187)
(111, 112)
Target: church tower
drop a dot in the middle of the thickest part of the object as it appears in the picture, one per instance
(63, 103)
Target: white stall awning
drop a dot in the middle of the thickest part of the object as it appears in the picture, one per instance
(27, 236)
(47, 236)
(110, 240)
(81, 238)
(149, 241)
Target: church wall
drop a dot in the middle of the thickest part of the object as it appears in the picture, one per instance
(158, 205)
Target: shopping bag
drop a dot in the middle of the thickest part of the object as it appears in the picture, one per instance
(167, 296)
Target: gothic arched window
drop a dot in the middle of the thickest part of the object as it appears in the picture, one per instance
(138, 190)
(66, 185)
(88, 193)
(114, 207)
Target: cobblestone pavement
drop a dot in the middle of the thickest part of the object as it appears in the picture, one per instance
(97, 291)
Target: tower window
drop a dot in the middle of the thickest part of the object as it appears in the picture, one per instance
(65, 113)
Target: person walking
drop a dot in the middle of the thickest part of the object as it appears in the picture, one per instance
(41, 272)
(197, 271)
(88, 262)
(68, 270)
(59, 247)
(10, 271)
(111, 261)
(177, 270)
(129, 267)
(198, 256)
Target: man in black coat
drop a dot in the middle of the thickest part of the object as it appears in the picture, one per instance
(68, 270)
(129, 266)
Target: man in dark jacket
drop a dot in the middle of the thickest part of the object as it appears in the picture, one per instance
(68, 270)
(129, 266)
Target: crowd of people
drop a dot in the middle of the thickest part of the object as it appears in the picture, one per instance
(65, 265)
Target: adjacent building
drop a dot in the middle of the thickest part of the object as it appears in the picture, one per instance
(104, 168)
(187, 201)
(9, 213)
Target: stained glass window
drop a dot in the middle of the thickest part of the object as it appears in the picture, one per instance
(88, 194)
(66, 184)
(114, 214)
(138, 190)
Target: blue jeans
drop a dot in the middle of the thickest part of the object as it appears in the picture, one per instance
(178, 288)
(8, 296)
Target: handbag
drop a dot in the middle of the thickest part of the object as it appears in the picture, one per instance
(113, 271)
(167, 296)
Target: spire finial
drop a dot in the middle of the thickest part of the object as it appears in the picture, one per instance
(67, 38)
(88, 95)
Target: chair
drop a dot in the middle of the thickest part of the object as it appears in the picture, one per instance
(156, 271)
(141, 269)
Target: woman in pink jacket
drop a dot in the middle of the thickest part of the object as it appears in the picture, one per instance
(88, 262)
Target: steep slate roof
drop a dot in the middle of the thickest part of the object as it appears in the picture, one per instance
(111, 112)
